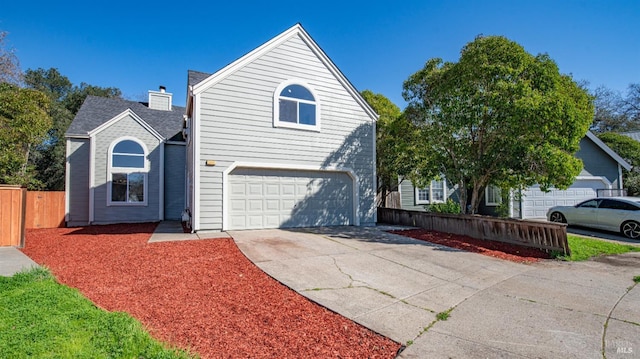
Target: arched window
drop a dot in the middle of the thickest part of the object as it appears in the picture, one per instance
(127, 172)
(296, 106)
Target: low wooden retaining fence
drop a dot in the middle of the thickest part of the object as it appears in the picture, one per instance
(543, 235)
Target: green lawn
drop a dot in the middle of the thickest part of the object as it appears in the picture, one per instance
(584, 248)
(41, 318)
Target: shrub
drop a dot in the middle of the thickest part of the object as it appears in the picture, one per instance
(447, 207)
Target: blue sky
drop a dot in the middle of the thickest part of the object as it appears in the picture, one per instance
(137, 45)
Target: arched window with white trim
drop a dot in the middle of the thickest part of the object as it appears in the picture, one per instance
(296, 106)
(128, 167)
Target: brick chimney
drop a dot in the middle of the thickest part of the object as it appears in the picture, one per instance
(160, 100)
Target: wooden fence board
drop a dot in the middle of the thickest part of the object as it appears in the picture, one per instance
(543, 235)
(45, 209)
(12, 209)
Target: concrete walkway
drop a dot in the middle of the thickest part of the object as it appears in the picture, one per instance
(172, 231)
(12, 261)
(397, 286)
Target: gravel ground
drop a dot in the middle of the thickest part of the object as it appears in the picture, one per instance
(203, 295)
(506, 251)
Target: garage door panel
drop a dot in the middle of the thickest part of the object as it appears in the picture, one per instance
(254, 189)
(255, 221)
(238, 205)
(288, 189)
(271, 189)
(238, 189)
(289, 199)
(271, 205)
(254, 205)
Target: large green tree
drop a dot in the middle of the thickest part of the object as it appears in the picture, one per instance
(24, 120)
(393, 154)
(629, 149)
(497, 116)
(49, 157)
(66, 99)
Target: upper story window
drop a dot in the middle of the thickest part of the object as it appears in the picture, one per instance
(127, 173)
(296, 106)
(435, 193)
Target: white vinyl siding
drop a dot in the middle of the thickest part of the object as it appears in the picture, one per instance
(236, 124)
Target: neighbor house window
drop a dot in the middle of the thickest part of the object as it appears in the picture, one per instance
(127, 173)
(435, 193)
(493, 195)
(295, 106)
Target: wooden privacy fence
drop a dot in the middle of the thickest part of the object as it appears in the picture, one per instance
(12, 213)
(543, 235)
(45, 209)
(21, 210)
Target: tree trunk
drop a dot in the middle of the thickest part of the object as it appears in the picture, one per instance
(23, 169)
(476, 196)
(462, 189)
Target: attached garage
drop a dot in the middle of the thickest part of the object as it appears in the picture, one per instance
(535, 202)
(281, 198)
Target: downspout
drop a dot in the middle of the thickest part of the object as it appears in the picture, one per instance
(195, 128)
(620, 184)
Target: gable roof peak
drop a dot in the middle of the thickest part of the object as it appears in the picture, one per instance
(295, 30)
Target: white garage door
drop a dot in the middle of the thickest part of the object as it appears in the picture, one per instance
(535, 202)
(260, 198)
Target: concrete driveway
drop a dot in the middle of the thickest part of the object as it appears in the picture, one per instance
(397, 286)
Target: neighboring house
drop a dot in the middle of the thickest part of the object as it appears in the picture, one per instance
(635, 135)
(601, 176)
(277, 138)
(125, 161)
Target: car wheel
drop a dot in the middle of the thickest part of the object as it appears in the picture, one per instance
(631, 229)
(557, 217)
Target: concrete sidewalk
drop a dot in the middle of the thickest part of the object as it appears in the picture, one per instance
(172, 231)
(12, 261)
(396, 286)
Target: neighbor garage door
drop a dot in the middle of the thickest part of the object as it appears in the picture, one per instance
(260, 198)
(535, 202)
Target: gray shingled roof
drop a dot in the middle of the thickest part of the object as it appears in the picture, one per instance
(196, 77)
(97, 110)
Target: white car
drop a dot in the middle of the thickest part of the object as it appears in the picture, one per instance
(618, 214)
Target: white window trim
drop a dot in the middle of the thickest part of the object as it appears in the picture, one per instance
(128, 170)
(276, 107)
(486, 196)
(419, 201)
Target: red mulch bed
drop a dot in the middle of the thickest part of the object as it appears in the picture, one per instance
(510, 252)
(204, 295)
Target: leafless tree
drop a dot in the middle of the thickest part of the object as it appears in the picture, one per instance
(9, 66)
